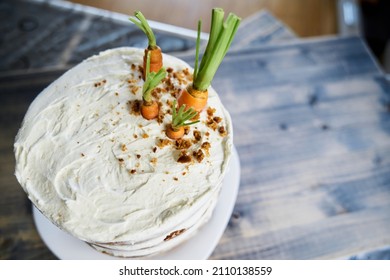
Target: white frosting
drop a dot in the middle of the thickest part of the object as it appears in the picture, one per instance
(79, 161)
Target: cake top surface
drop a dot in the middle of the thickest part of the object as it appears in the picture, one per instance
(95, 167)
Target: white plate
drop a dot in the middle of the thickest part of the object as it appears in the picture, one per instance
(199, 247)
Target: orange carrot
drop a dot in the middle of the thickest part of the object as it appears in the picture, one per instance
(156, 59)
(149, 110)
(221, 35)
(193, 98)
(175, 130)
(174, 134)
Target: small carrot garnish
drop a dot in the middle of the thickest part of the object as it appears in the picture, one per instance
(156, 60)
(221, 35)
(179, 120)
(149, 107)
(149, 110)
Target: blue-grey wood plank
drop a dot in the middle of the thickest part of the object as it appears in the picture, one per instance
(35, 35)
(312, 128)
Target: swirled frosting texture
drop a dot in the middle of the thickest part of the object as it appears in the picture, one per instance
(95, 168)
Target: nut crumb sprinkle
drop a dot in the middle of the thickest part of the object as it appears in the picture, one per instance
(187, 130)
(212, 124)
(210, 111)
(163, 142)
(197, 135)
(174, 234)
(198, 155)
(184, 158)
(135, 107)
(206, 147)
(182, 144)
(222, 131)
(217, 119)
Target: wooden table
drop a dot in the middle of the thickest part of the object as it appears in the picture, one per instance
(311, 123)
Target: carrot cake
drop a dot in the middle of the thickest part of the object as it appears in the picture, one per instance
(98, 170)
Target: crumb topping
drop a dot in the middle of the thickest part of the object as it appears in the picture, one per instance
(187, 130)
(184, 158)
(182, 144)
(98, 84)
(174, 234)
(212, 124)
(198, 155)
(210, 111)
(217, 119)
(222, 131)
(135, 107)
(171, 85)
(206, 147)
(197, 136)
(163, 142)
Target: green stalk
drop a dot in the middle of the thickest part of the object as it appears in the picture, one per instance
(236, 23)
(215, 28)
(197, 49)
(180, 117)
(144, 26)
(221, 36)
(151, 81)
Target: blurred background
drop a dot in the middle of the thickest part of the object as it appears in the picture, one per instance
(306, 18)
(321, 14)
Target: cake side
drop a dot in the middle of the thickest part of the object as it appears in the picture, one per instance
(97, 169)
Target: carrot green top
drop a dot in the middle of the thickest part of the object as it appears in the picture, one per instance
(151, 81)
(180, 117)
(221, 36)
(144, 26)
